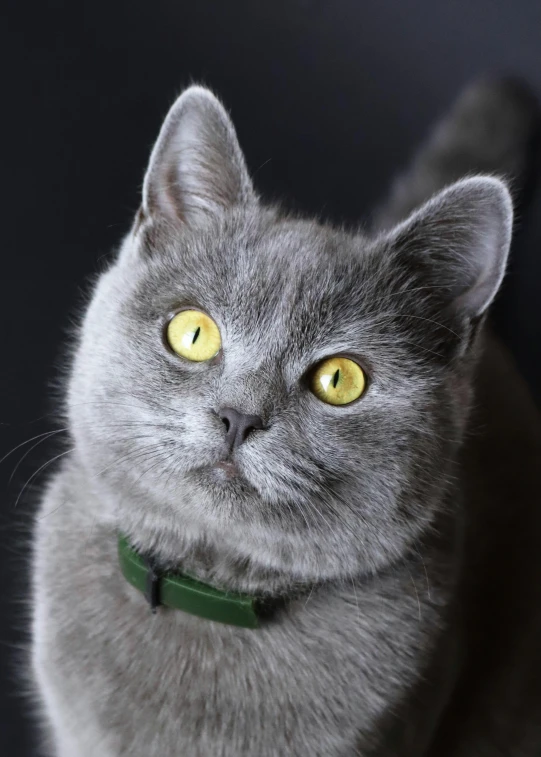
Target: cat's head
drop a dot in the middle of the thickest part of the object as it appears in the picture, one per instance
(334, 477)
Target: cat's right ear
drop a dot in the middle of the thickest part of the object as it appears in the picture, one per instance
(458, 243)
(197, 169)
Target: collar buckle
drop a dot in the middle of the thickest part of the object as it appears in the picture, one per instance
(153, 587)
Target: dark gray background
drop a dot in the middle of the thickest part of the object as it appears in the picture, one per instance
(329, 99)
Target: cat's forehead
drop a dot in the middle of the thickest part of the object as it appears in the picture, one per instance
(274, 265)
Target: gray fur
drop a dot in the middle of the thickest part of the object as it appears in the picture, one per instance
(362, 517)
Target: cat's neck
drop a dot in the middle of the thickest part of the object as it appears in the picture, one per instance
(209, 558)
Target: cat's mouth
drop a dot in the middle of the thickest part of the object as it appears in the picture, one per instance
(228, 467)
(225, 473)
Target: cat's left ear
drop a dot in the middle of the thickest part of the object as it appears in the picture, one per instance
(196, 168)
(458, 243)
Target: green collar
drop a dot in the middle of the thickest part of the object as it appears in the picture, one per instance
(187, 594)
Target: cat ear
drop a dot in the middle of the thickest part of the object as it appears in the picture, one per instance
(460, 240)
(196, 168)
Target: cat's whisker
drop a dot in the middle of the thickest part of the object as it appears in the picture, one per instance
(28, 441)
(293, 518)
(416, 592)
(41, 468)
(433, 435)
(352, 529)
(301, 511)
(318, 511)
(49, 434)
(309, 595)
(403, 292)
(391, 315)
(131, 456)
(157, 459)
(415, 548)
(28, 451)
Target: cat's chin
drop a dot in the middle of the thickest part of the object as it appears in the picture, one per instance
(223, 479)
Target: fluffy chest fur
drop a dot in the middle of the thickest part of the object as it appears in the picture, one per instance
(315, 680)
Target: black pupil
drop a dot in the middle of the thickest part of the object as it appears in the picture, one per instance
(197, 332)
(336, 377)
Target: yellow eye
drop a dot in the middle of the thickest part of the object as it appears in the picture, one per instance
(193, 335)
(338, 381)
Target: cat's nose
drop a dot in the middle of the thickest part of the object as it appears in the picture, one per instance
(238, 425)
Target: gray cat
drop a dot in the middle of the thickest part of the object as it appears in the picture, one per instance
(320, 421)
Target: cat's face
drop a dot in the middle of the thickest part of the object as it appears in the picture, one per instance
(322, 490)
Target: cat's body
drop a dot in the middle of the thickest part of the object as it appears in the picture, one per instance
(399, 528)
(309, 684)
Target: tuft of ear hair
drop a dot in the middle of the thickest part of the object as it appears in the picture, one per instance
(197, 169)
(460, 239)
